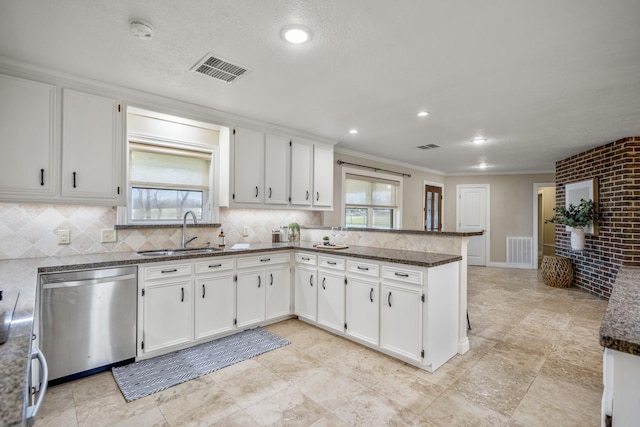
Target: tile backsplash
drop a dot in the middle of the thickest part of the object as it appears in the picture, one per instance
(30, 230)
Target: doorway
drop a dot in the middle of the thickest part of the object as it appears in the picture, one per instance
(544, 235)
(473, 215)
(432, 208)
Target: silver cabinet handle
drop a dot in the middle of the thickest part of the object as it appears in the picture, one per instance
(32, 411)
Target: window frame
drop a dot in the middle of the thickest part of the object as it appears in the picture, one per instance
(397, 211)
(210, 198)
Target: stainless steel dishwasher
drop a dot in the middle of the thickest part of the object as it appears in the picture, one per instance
(87, 320)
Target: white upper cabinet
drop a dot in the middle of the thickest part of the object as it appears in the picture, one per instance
(301, 172)
(27, 139)
(276, 170)
(248, 170)
(322, 175)
(92, 147)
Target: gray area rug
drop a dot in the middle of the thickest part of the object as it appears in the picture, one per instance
(150, 376)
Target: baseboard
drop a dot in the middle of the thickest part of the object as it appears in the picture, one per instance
(505, 265)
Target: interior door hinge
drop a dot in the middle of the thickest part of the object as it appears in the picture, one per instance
(290, 143)
(234, 131)
(422, 354)
(345, 280)
(119, 108)
(118, 189)
(422, 297)
(289, 199)
(233, 196)
(235, 278)
(345, 326)
(235, 322)
(142, 345)
(143, 292)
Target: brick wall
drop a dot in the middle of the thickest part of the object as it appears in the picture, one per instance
(617, 167)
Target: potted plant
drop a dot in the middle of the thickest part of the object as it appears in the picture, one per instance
(325, 240)
(294, 231)
(576, 217)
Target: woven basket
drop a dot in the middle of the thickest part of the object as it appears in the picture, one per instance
(557, 271)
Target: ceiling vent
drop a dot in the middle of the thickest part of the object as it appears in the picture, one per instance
(219, 69)
(428, 146)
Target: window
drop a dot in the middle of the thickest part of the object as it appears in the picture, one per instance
(165, 182)
(371, 201)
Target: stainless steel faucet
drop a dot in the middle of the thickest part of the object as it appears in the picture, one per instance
(186, 239)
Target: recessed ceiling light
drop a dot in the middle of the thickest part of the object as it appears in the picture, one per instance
(483, 165)
(479, 140)
(423, 114)
(141, 29)
(296, 34)
(353, 131)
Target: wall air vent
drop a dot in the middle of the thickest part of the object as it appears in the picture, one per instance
(428, 146)
(219, 69)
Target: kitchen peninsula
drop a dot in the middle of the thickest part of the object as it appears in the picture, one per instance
(21, 275)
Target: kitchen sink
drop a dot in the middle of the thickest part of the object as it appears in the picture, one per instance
(175, 252)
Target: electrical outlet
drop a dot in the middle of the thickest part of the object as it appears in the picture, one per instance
(108, 236)
(245, 231)
(64, 237)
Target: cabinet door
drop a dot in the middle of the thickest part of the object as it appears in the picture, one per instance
(306, 295)
(401, 320)
(91, 147)
(331, 300)
(168, 316)
(322, 175)
(301, 172)
(250, 298)
(362, 310)
(278, 291)
(248, 166)
(27, 139)
(214, 303)
(276, 172)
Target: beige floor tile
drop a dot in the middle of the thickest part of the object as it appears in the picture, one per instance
(57, 404)
(444, 376)
(151, 418)
(196, 402)
(252, 385)
(409, 391)
(55, 417)
(452, 409)
(372, 409)
(535, 412)
(94, 386)
(329, 420)
(367, 367)
(327, 387)
(237, 419)
(287, 362)
(109, 409)
(287, 407)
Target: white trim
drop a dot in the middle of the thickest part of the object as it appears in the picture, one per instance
(505, 265)
(387, 161)
(536, 189)
(424, 206)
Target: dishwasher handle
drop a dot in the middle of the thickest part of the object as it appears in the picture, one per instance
(32, 411)
(58, 283)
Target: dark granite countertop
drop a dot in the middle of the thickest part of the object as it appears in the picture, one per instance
(387, 230)
(22, 274)
(620, 329)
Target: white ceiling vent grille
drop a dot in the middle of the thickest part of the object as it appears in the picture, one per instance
(219, 69)
(428, 146)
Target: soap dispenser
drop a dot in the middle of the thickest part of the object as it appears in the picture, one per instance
(221, 238)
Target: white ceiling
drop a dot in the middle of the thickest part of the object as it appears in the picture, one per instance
(542, 80)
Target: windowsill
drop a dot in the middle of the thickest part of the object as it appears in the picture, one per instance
(143, 226)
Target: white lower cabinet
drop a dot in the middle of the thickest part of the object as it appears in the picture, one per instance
(401, 320)
(331, 293)
(167, 307)
(214, 297)
(261, 280)
(363, 309)
(306, 289)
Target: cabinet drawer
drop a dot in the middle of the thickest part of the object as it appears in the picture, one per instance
(264, 260)
(402, 275)
(213, 265)
(331, 263)
(364, 268)
(306, 259)
(167, 270)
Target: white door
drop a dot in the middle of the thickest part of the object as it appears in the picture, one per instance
(214, 303)
(473, 201)
(322, 175)
(306, 295)
(401, 320)
(250, 298)
(278, 291)
(248, 166)
(331, 301)
(363, 309)
(301, 172)
(167, 315)
(276, 170)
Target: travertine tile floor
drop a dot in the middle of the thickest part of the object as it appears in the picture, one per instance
(534, 361)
